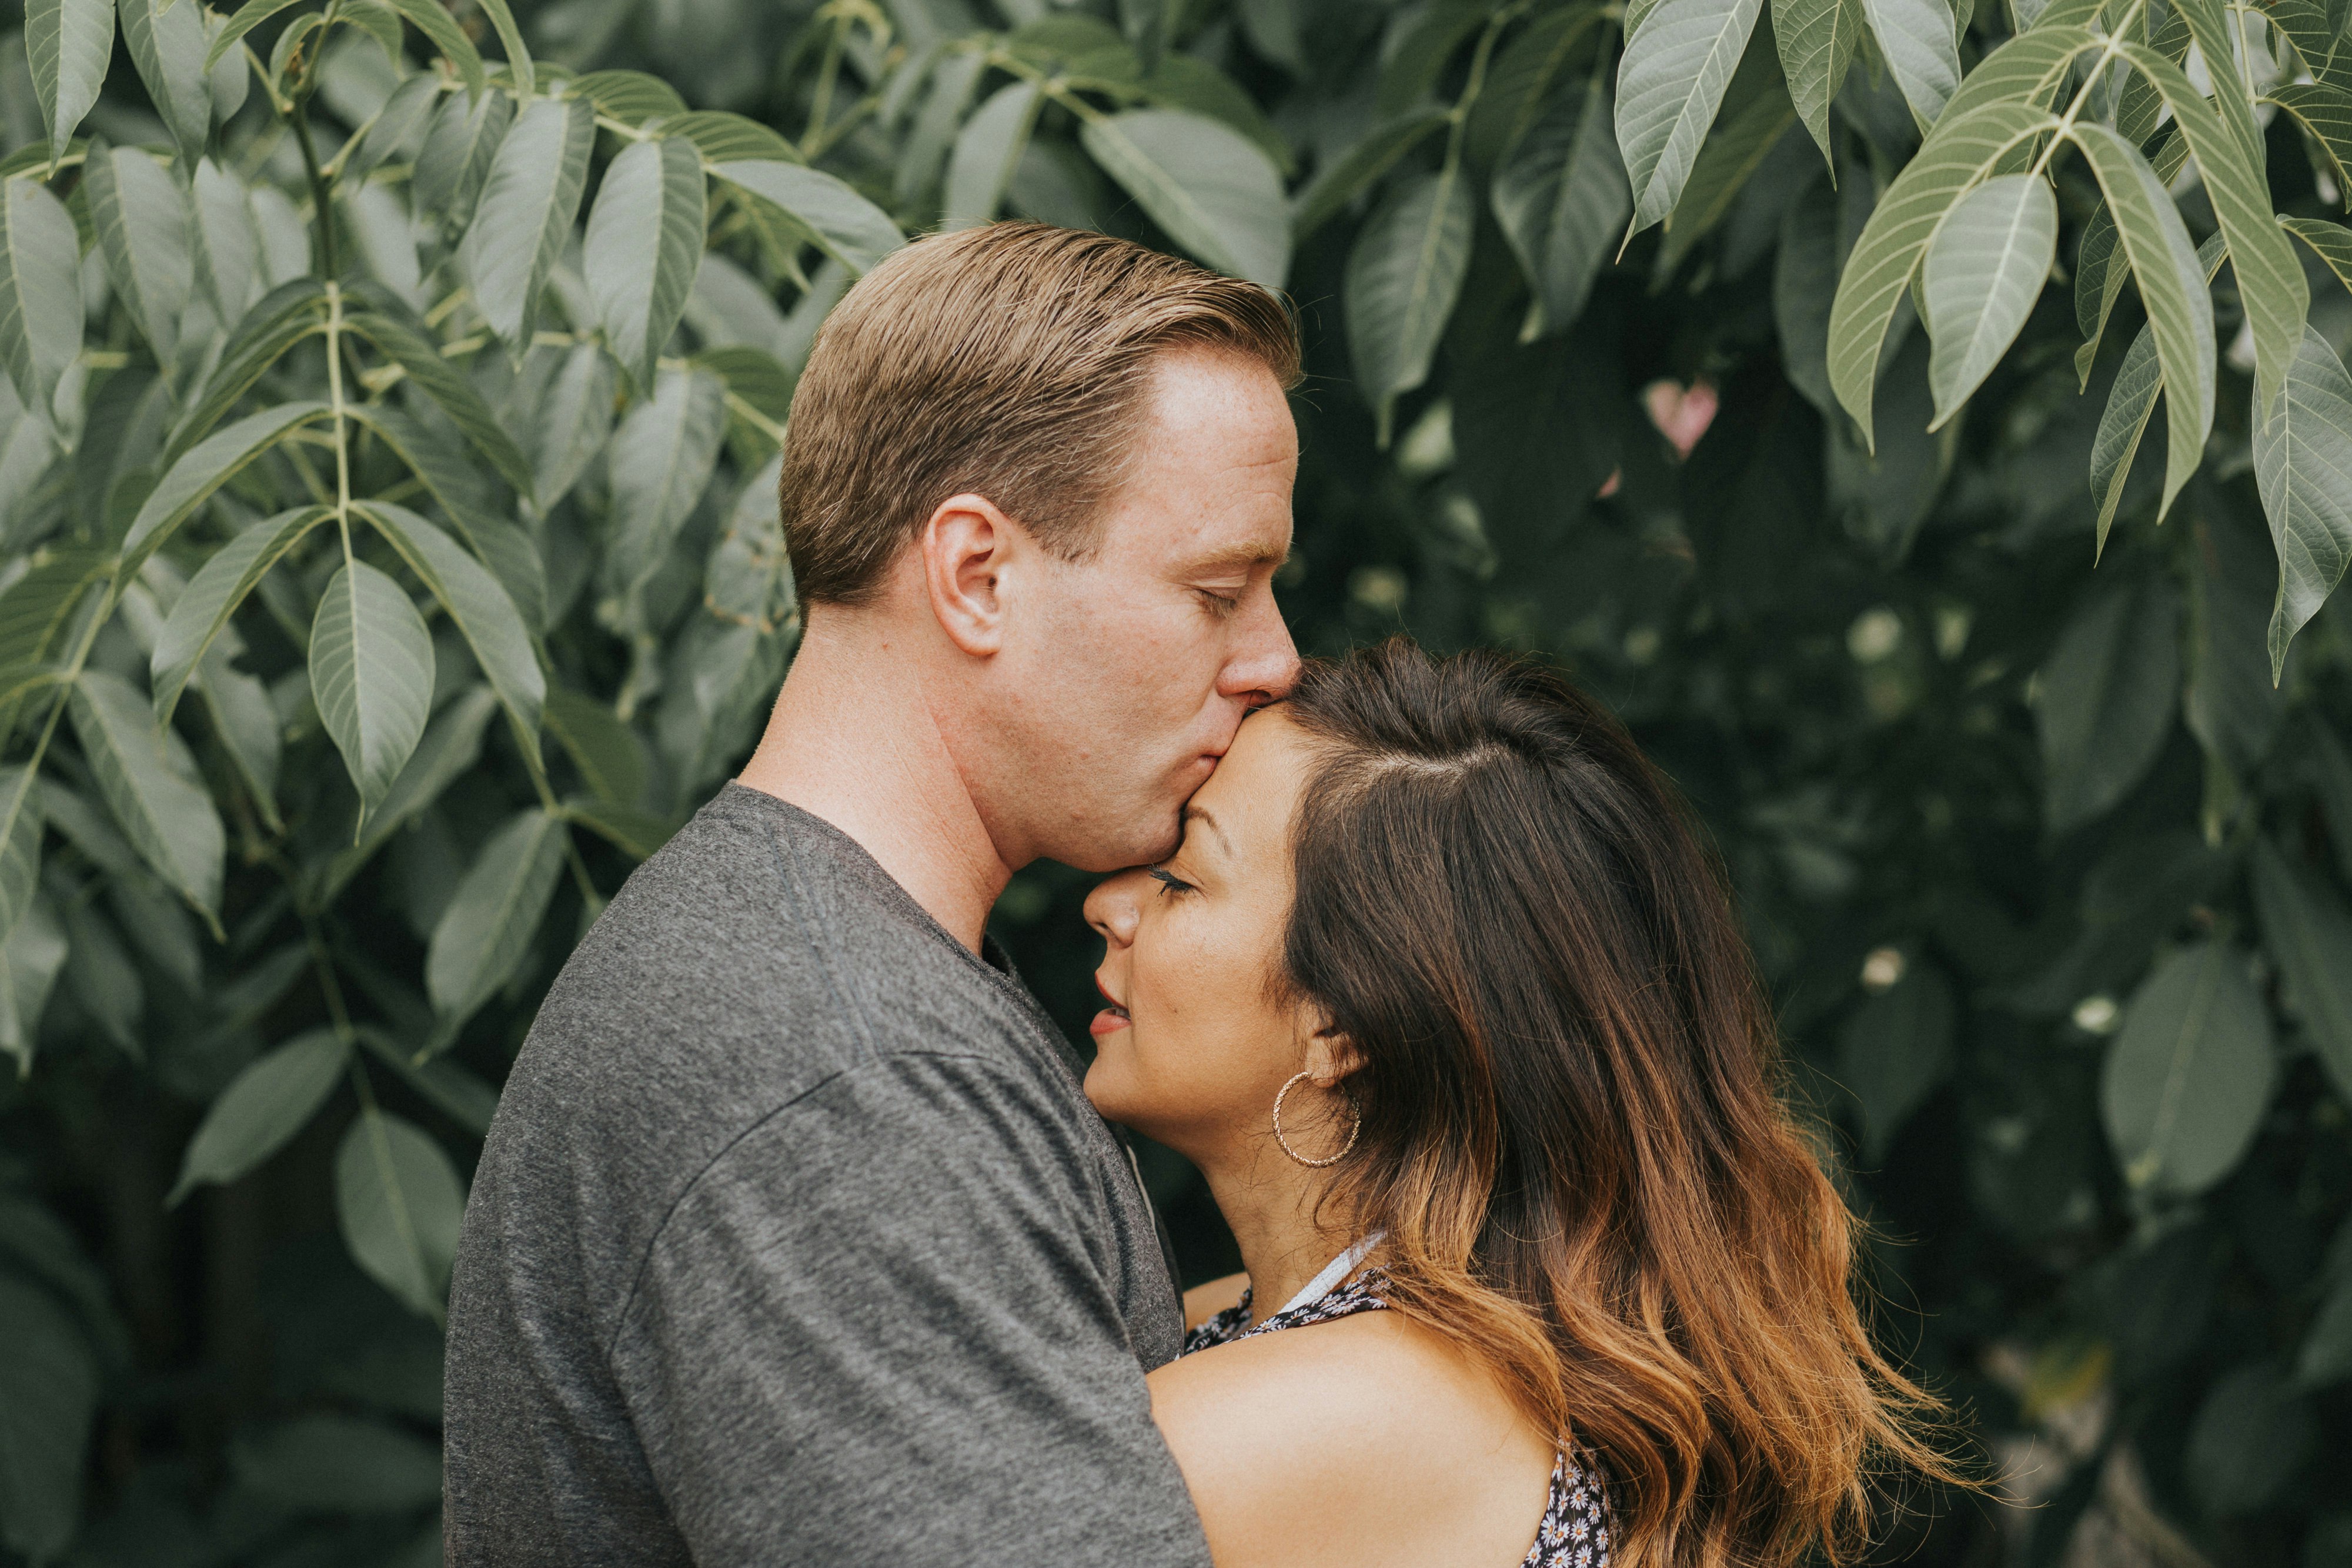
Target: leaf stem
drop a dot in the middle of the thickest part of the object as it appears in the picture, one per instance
(2110, 50)
(335, 402)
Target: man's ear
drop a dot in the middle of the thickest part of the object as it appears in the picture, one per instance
(965, 546)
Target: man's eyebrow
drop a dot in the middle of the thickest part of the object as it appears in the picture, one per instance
(1200, 814)
(1241, 555)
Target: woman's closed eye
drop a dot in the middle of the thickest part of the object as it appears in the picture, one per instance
(1170, 882)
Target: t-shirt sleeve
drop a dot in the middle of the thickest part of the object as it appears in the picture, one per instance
(879, 1328)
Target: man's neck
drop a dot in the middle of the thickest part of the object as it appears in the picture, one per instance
(853, 741)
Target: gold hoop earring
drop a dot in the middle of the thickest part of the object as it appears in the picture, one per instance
(1352, 1133)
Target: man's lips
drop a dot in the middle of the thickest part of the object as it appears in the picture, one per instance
(1112, 1019)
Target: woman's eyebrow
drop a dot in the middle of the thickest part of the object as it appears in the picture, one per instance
(1201, 814)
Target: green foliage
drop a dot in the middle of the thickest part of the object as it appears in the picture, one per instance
(377, 369)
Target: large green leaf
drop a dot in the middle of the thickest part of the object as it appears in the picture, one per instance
(204, 468)
(371, 673)
(279, 320)
(152, 785)
(661, 460)
(2191, 1071)
(1561, 200)
(435, 22)
(1921, 48)
(168, 46)
(40, 297)
(227, 250)
(1755, 115)
(387, 322)
(463, 492)
(986, 150)
(48, 1397)
(1343, 179)
(724, 138)
(2100, 273)
(1982, 275)
(1895, 1050)
(479, 607)
(2270, 278)
(2303, 464)
(399, 1203)
(924, 152)
(644, 241)
(263, 1106)
(2130, 399)
(1964, 149)
(67, 43)
(2107, 696)
(2172, 286)
(2307, 932)
(493, 916)
(461, 142)
(575, 418)
(524, 216)
(823, 210)
(1520, 78)
(451, 747)
(2331, 242)
(1678, 59)
(1816, 39)
(2324, 111)
(219, 586)
(1403, 276)
(20, 844)
(31, 958)
(141, 219)
(1214, 191)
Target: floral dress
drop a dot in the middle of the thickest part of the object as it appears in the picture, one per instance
(1574, 1533)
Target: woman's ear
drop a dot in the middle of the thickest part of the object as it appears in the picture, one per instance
(1331, 1056)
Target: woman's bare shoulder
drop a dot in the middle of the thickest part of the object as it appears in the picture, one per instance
(1204, 1302)
(1366, 1439)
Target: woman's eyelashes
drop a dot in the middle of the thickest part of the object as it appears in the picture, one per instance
(1170, 883)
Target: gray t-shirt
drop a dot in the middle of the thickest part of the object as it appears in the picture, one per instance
(794, 1241)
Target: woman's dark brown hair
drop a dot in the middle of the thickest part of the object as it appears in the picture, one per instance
(1573, 1130)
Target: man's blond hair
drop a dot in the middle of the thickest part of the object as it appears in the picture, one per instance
(1009, 361)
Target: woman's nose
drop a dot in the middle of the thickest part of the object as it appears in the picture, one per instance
(1112, 907)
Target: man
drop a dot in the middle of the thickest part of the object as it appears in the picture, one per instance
(795, 1239)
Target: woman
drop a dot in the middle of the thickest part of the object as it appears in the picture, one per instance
(1444, 1000)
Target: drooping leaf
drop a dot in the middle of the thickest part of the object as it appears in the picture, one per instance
(2270, 278)
(986, 150)
(2228, 700)
(1420, 51)
(575, 418)
(2332, 243)
(724, 138)
(823, 210)
(477, 606)
(1965, 148)
(1211, 188)
(142, 220)
(2100, 273)
(436, 23)
(21, 822)
(1921, 48)
(1678, 59)
(661, 459)
(1561, 200)
(519, 61)
(219, 586)
(279, 320)
(450, 748)
(49, 1397)
(632, 97)
(453, 480)
(68, 44)
(924, 152)
(1816, 39)
(2302, 464)
(168, 48)
(397, 125)
(495, 912)
(610, 758)
(399, 1203)
(2307, 932)
(1983, 274)
(250, 732)
(152, 785)
(644, 241)
(371, 673)
(2189, 1072)
(2172, 287)
(2108, 695)
(204, 468)
(40, 297)
(2122, 423)
(1348, 176)
(1755, 113)
(387, 323)
(263, 1106)
(524, 216)
(1520, 77)
(1895, 1050)
(2324, 109)
(461, 142)
(227, 251)
(1403, 277)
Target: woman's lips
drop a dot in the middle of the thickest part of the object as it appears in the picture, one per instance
(1110, 1020)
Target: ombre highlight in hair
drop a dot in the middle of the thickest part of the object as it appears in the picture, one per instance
(1573, 1130)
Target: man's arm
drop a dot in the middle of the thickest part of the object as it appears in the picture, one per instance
(879, 1328)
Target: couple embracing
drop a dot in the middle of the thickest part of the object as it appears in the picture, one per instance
(803, 1237)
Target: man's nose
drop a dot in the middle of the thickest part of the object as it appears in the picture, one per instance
(1265, 662)
(1113, 906)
